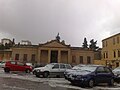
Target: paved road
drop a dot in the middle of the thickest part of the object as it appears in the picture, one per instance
(17, 84)
(23, 81)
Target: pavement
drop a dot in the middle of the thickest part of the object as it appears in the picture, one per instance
(23, 81)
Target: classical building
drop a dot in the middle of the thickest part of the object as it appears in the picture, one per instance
(53, 52)
(111, 50)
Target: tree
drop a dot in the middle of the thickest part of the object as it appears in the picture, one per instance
(85, 45)
(2, 47)
(93, 45)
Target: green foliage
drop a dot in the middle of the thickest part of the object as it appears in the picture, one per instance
(2, 47)
(85, 45)
(6, 46)
(93, 45)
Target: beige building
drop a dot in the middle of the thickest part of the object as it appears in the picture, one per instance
(111, 50)
(5, 54)
(53, 51)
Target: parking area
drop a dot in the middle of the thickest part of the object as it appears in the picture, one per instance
(53, 82)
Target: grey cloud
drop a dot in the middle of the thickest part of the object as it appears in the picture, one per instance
(41, 20)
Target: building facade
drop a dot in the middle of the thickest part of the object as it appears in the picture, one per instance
(53, 52)
(111, 50)
(5, 54)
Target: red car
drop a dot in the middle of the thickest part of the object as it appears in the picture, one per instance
(17, 66)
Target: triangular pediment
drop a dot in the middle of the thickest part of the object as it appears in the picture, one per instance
(54, 43)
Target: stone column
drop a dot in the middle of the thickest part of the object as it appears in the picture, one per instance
(69, 57)
(49, 55)
(59, 56)
(39, 56)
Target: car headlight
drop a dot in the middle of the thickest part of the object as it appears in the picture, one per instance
(37, 70)
(30, 67)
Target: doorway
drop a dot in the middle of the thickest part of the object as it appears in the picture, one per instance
(54, 57)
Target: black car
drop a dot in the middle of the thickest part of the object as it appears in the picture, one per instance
(92, 75)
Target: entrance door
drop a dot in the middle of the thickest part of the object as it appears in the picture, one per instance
(54, 57)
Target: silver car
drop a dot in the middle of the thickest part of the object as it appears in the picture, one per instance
(2, 64)
(116, 71)
(52, 69)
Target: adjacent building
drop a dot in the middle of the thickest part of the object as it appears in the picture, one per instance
(25, 42)
(111, 50)
(5, 41)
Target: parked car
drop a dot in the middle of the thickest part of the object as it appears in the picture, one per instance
(29, 64)
(38, 65)
(116, 71)
(92, 75)
(54, 69)
(76, 68)
(2, 64)
(17, 66)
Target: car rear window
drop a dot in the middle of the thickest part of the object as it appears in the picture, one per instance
(12, 62)
(62, 66)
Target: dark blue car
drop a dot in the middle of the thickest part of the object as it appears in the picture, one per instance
(92, 75)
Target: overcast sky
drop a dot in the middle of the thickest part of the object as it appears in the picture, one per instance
(40, 20)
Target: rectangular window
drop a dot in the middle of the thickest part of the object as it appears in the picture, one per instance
(33, 57)
(25, 57)
(118, 53)
(106, 54)
(117, 64)
(16, 56)
(73, 59)
(114, 54)
(118, 40)
(103, 44)
(81, 59)
(88, 59)
(106, 44)
(113, 41)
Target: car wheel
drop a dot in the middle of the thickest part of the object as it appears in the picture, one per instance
(7, 70)
(33, 73)
(91, 83)
(37, 76)
(45, 74)
(27, 70)
(111, 83)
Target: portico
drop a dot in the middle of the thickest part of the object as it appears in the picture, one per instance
(59, 54)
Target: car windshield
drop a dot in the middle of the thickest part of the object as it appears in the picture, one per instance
(49, 65)
(76, 67)
(88, 68)
(2, 62)
(29, 64)
(118, 68)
